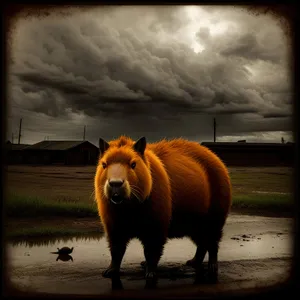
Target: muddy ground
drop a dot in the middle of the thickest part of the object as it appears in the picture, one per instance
(255, 252)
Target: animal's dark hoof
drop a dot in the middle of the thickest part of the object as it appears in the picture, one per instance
(191, 262)
(200, 275)
(150, 275)
(144, 264)
(111, 272)
(151, 280)
(116, 283)
(212, 275)
(200, 279)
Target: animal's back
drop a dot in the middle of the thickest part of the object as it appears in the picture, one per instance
(199, 180)
(189, 181)
(218, 175)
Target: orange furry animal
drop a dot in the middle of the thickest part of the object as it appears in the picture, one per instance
(153, 192)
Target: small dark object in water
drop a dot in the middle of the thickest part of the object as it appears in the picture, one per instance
(245, 236)
(63, 250)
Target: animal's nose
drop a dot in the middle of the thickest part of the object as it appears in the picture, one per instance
(116, 183)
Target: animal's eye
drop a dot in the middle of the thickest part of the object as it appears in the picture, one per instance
(133, 165)
(104, 165)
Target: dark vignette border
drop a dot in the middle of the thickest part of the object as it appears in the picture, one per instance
(285, 11)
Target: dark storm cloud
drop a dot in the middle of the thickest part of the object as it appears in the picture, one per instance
(125, 67)
(278, 114)
(47, 82)
(248, 47)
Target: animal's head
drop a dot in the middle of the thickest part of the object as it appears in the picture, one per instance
(123, 171)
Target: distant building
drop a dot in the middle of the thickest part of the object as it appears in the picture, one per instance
(14, 154)
(60, 152)
(254, 154)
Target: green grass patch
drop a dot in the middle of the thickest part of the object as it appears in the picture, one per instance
(27, 207)
(269, 202)
(31, 207)
(18, 206)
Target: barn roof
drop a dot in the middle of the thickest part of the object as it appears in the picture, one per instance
(17, 146)
(56, 145)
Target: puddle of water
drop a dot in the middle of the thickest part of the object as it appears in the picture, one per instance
(95, 250)
(268, 237)
(245, 238)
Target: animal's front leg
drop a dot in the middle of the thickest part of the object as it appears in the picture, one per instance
(117, 247)
(153, 250)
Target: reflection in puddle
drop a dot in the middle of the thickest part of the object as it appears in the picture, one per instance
(50, 241)
(64, 257)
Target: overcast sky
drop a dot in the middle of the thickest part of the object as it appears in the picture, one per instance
(150, 71)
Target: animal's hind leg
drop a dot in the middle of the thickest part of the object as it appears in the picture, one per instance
(197, 260)
(213, 248)
(199, 256)
(199, 237)
(213, 261)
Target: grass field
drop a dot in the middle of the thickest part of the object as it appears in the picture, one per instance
(67, 193)
(75, 184)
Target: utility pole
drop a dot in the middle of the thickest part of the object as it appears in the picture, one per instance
(12, 137)
(84, 133)
(20, 128)
(214, 130)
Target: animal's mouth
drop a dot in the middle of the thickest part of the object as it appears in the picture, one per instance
(116, 198)
(116, 191)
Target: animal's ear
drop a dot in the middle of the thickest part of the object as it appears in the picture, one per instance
(103, 146)
(140, 145)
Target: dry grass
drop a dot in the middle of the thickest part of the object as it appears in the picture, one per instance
(75, 184)
(58, 183)
(271, 180)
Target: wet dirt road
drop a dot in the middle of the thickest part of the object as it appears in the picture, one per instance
(255, 251)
